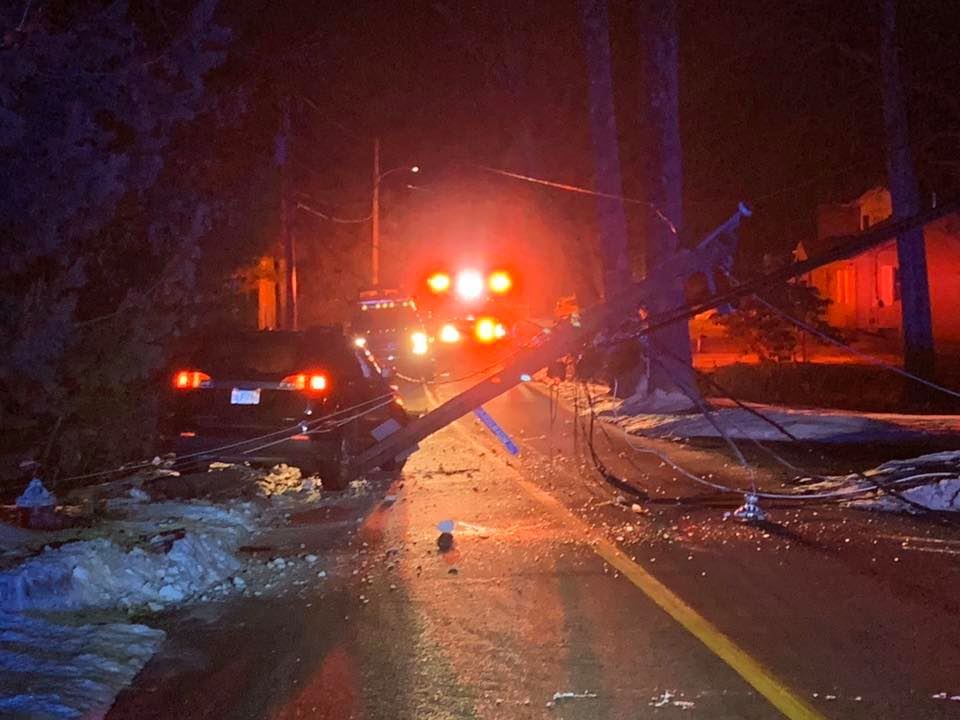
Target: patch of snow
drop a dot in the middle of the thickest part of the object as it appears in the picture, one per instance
(557, 696)
(942, 495)
(281, 479)
(658, 401)
(51, 671)
(740, 424)
(667, 415)
(138, 495)
(197, 552)
(932, 481)
(669, 697)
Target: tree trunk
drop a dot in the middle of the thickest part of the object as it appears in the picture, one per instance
(661, 178)
(918, 348)
(611, 218)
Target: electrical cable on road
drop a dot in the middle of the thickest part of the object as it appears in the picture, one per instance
(838, 494)
(291, 430)
(325, 429)
(743, 406)
(704, 410)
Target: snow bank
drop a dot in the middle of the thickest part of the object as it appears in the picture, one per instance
(164, 553)
(932, 481)
(656, 416)
(830, 426)
(741, 424)
(942, 495)
(941, 491)
(50, 671)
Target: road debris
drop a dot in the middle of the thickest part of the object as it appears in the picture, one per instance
(945, 696)
(558, 696)
(445, 541)
(671, 698)
(750, 511)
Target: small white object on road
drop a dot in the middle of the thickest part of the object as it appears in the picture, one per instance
(557, 696)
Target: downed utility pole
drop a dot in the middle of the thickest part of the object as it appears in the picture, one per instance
(715, 251)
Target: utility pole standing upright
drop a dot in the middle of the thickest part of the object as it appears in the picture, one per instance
(918, 343)
(611, 216)
(289, 319)
(375, 217)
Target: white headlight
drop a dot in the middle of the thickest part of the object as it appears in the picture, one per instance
(419, 342)
(469, 284)
(449, 334)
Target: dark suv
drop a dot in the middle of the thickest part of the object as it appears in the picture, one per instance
(311, 399)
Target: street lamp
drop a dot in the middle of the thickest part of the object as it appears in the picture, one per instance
(378, 177)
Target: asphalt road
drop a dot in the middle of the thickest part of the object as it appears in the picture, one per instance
(553, 586)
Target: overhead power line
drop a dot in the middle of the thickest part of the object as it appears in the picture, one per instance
(583, 191)
(333, 218)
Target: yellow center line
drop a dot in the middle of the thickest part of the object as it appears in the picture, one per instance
(776, 692)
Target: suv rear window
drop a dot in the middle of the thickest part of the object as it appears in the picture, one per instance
(269, 354)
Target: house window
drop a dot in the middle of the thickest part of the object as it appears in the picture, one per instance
(846, 286)
(889, 285)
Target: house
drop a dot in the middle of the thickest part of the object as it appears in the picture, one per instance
(865, 290)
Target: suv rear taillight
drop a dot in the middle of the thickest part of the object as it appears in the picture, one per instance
(312, 382)
(189, 379)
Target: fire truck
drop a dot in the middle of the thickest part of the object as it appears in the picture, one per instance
(472, 305)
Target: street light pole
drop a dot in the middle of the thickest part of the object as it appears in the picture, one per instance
(375, 217)
(375, 210)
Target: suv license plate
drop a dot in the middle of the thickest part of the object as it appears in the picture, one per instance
(244, 397)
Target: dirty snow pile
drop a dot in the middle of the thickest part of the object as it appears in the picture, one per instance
(285, 479)
(931, 481)
(832, 426)
(657, 416)
(50, 671)
(279, 480)
(157, 554)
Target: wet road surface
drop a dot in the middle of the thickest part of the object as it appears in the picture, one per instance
(552, 586)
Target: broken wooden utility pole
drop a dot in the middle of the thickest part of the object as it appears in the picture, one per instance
(562, 339)
(918, 347)
(715, 251)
